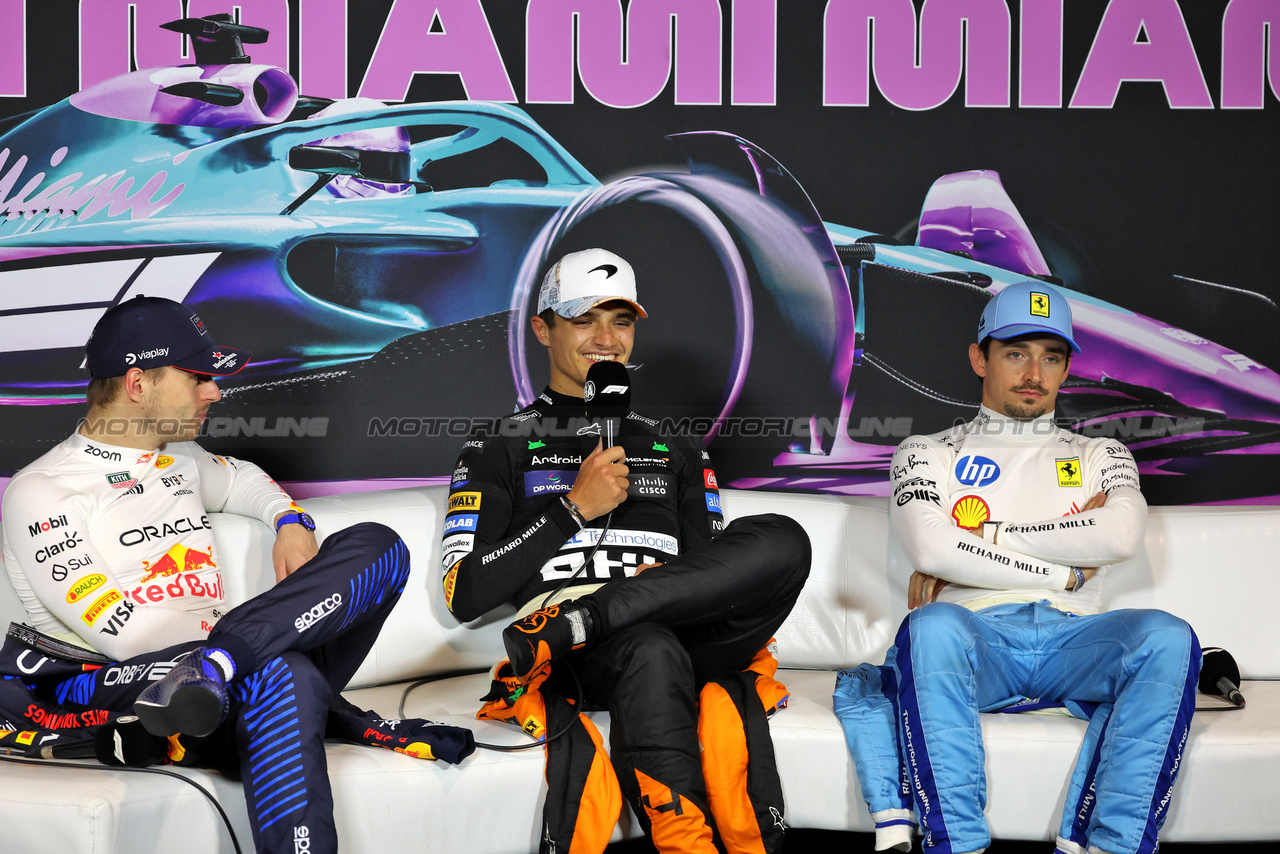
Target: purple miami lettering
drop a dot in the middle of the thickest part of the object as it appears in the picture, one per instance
(445, 37)
(851, 47)
(618, 75)
(1250, 60)
(1142, 40)
(107, 53)
(13, 49)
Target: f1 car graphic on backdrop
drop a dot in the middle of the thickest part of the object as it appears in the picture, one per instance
(381, 262)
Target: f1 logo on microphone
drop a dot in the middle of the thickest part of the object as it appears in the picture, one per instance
(973, 470)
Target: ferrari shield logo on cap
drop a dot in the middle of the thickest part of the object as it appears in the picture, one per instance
(1039, 304)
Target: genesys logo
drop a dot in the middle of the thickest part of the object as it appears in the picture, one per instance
(317, 612)
(84, 587)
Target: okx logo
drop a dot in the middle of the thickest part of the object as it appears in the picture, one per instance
(973, 470)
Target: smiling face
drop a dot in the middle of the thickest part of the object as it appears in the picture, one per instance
(605, 333)
(1021, 376)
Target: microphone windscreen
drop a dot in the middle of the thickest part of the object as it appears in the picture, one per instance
(607, 391)
(124, 741)
(1215, 664)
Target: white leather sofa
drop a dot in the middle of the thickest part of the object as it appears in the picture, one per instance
(1215, 566)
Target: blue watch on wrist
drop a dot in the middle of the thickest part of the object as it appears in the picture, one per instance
(303, 519)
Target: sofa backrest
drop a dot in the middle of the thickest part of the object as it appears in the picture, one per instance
(1210, 565)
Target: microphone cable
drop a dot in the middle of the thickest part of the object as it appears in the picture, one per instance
(45, 763)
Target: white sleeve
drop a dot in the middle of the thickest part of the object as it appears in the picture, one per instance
(229, 485)
(931, 540)
(90, 601)
(1110, 534)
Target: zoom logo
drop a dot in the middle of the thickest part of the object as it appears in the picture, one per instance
(973, 470)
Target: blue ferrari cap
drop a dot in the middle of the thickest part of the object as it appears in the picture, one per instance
(150, 332)
(1024, 308)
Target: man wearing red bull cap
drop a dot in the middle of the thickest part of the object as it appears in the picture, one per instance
(109, 546)
(1010, 523)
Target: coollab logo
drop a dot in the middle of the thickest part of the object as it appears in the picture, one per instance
(973, 470)
(317, 612)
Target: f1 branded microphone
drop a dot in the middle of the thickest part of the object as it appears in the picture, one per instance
(1220, 675)
(607, 394)
(125, 742)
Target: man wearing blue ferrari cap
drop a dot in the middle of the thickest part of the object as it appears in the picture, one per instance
(1010, 523)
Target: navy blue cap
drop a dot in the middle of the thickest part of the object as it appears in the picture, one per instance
(150, 332)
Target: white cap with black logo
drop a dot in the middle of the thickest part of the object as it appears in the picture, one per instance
(580, 281)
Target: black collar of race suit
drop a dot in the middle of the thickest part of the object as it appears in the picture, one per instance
(572, 405)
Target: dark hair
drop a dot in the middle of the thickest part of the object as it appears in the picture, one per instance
(548, 317)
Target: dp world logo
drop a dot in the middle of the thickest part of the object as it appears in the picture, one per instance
(973, 470)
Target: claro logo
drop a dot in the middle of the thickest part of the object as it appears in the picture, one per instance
(318, 612)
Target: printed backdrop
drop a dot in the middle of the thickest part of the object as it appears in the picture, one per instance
(818, 197)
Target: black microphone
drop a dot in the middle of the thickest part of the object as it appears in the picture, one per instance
(607, 394)
(124, 741)
(1220, 675)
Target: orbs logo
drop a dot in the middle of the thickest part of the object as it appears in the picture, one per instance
(84, 587)
(973, 470)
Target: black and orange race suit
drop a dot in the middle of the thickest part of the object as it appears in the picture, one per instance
(659, 636)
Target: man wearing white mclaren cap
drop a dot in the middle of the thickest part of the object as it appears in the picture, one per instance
(1010, 523)
(608, 553)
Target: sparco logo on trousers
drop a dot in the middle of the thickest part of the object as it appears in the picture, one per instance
(301, 839)
(317, 613)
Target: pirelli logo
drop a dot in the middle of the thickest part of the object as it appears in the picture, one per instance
(464, 502)
(450, 581)
(100, 606)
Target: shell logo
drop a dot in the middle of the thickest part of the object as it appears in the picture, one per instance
(84, 586)
(970, 512)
